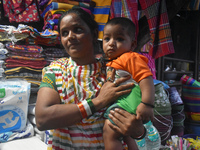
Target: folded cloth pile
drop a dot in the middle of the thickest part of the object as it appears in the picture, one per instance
(99, 9)
(11, 33)
(46, 38)
(54, 53)
(25, 61)
(55, 8)
(3, 55)
(51, 19)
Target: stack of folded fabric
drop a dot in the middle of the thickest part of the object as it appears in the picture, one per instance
(25, 61)
(99, 9)
(55, 8)
(54, 53)
(51, 19)
(3, 55)
(48, 37)
(13, 34)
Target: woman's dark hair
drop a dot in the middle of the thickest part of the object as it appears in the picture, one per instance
(85, 16)
(125, 23)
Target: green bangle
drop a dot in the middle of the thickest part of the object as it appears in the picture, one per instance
(141, 136)
(147, 104)
(92, 108)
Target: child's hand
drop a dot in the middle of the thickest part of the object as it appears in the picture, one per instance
(145, 113)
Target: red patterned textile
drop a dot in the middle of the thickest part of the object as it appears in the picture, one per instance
(125, 8)
(156, 13)
(157, 17)
(21, 11)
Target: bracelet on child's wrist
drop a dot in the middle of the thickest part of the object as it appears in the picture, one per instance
(147, 104)
(86, 108)
(141, 136)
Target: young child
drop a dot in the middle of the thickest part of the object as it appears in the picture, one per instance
(118, 43)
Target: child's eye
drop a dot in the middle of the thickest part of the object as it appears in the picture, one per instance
(120, 39)
(106, 39)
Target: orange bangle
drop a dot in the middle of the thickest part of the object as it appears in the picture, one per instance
(82, 110)
(86, 108)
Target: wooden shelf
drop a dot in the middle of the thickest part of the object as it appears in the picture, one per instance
(186, 36)
(177, 59)
(179, 72)
(176, 83)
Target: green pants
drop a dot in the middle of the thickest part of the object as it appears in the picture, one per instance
(128, 102)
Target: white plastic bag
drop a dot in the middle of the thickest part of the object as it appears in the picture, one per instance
(14, 99)
(28, 131)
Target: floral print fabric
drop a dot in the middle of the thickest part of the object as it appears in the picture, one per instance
(21, 10)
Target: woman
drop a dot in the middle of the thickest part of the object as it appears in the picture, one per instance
(70, 100)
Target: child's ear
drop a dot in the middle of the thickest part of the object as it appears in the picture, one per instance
(133, 45)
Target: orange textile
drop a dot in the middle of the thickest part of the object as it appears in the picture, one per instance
(134, 63)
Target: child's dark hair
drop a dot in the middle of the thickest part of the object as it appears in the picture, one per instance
(85, 16)
(124, 22)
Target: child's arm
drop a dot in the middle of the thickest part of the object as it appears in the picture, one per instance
(145, 108)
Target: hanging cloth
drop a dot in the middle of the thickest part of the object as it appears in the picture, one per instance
(101, 14)
(157, 17)
(21, 11)
(125, 8)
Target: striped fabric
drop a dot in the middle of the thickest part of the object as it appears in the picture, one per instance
(156, 13)
(125, 8)
(194, 5)
(25, 58)
(76, 3)
(24, 48)
(101, 13)
(65, 6)
(75, 84)
(151, 64)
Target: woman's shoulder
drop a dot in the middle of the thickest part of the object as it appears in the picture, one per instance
(57, 65)
(59, 62)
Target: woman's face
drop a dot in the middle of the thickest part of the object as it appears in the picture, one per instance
(77, 39)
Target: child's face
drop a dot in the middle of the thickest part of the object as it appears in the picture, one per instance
(116, 41)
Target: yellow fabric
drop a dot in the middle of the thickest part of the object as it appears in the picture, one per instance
(64, 6)
(101, 19)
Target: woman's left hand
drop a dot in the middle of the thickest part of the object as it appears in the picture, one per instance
(126, 123)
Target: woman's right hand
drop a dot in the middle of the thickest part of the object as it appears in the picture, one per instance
(110, 91)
